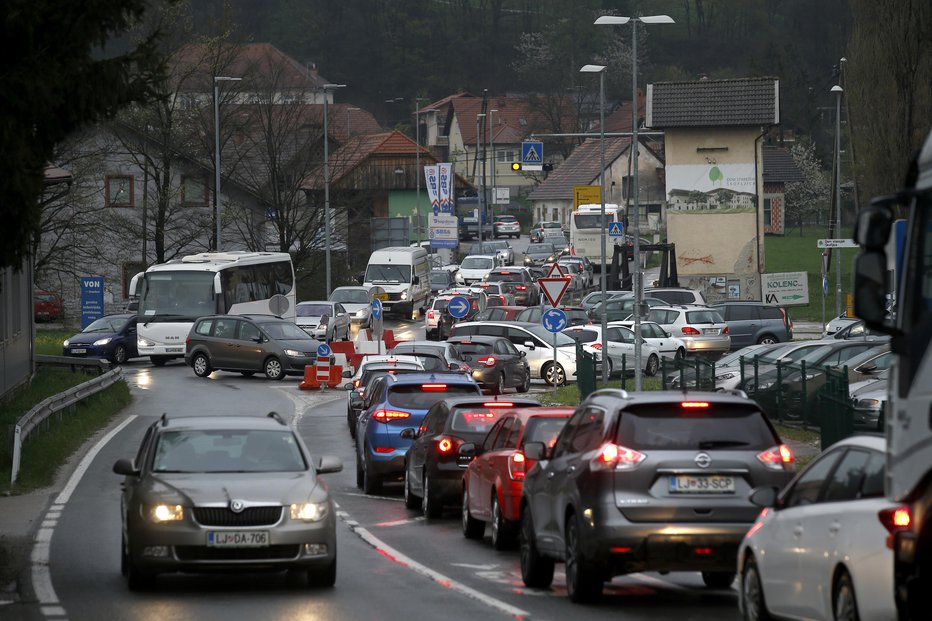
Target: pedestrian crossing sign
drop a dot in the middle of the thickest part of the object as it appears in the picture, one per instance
(532, 152)
(616, 229)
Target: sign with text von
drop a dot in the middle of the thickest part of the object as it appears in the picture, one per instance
(786, 288)
(92, 299)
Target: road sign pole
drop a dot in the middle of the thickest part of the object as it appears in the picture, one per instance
(554, 368)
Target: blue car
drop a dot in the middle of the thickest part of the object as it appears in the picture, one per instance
(395, 403)
(112, 337)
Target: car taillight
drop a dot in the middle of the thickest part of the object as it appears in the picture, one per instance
(498, 404)
(445, 445)
(895, 519)
(356, 383)
(499, 223)
(383, 416)
(694, 404)
(689, 330)
(726, 330)
(521, 287)
(431, 314)
(596, 345)
(433, 387)
(778, 458)
(615, 457)
(187, 341)
(488, 361)
(517, 466)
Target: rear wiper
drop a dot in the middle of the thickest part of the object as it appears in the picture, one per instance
(711, 444)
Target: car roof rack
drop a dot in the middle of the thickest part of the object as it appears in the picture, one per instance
(277, 417)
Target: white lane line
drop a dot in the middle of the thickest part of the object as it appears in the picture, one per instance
(391, 553)
(393, 499)
(659, 582)
(41, 548)
(401, 522)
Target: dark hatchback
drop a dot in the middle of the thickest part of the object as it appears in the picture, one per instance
(112, 337)
(495, 363)
(433, 468)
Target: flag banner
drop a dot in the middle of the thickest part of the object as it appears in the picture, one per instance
(430, 174)
(445, 178)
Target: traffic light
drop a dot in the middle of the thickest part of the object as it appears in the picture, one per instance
(516, 166)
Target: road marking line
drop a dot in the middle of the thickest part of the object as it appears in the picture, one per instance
(371, 496)
(76, 476)
(53, 611)
(401, 522)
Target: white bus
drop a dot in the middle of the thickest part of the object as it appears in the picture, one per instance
(586, 231)
(173, 294)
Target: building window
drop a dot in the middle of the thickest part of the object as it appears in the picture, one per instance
(119, 191)
(193, 191)
(130, 269)
(506, 156)
(768, 212)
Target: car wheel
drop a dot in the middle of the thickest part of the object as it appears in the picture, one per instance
(411, 501)
(752, 594)
(430, 503)
(767, 339)
(159, 361)
(845, 606)
(536, 570)
(360, 473)
(351, 422)
(273, 369)
(119, 354)
(500, 385)
(718, 579)
(611, 367)
(680, 355)
(371, 482)
(136, 578)
(247, 373)
(503, 531)
(124, 557)
(653, 364)
(323, 576)
(201, 365)
(525, 383)
(472, 528)
(554, 374)
(583, 580)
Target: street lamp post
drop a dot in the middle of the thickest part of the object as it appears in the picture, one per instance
(492, 151)
(217, 80)
(600, 69)
(417, 164)
(638, 274)
(838, 92)
(326, 89)
(481, 213)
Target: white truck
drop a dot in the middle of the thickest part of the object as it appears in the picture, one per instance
(908, 423)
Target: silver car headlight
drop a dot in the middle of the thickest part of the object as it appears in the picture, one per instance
(309, 511)
(293, 353)
(361, 312)
(164, 512)
(100, 342)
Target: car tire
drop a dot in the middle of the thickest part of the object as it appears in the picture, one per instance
(753, 605)
(371, 482)
(201, 365)
(718, 579)
(554, 375)
(525, 383)
(323, 577)
(351, 423)
(844, 603)
(119, 354)
(536, 570)
(124, 557)
(472, 528)
(273, 369)
(583, 579)
(653, 365)
(680, 355)
(411, 501)
(136, 578)
(360, 473)
(159, 361)
(767, 339)
(499, 388)
(503, 531)
(430, 503)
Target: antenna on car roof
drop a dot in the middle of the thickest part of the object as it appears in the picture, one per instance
(164, 419)
(277, 417)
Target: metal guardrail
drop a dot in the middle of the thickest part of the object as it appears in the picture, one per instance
(73, 363)
(56, 403)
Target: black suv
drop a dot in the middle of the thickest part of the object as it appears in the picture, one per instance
(647, 482)
(755, 322)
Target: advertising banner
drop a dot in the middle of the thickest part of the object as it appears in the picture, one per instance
(444, 231)
(430, 175)
(92, 299)
(786, 288)
(445, 183)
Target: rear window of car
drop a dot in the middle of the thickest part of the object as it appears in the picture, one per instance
(474, 419)
(673, 427)
(475, 349)
(551, 225)
(417, 397)
(769, 312)
(703, 316)
(368, 376)
(583, 336)
(504, 277)
(546, 430)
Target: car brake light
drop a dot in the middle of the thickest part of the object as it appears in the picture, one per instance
(387, 415)
(521, 287)
(433, 387)
(356, 383)
(431, 315)
(383, 449)
(489, 361)
(498, 404)
(445, 445)
(726, 330)
(694, 404)
(778, 458)
(517, 466)
(187, 341)
(615, 457)
(596, 346)
(689, 330)
(895, 518)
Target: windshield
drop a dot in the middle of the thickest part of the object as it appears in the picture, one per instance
(228, 451)
(477, 263)
(177, 296)
(541, 248)
(582, 336)
(313, 310)
(392, 273)
(107, 324)
(550, 225)
(285, 331)
(591, 220)
(351, 296)
(475, 349)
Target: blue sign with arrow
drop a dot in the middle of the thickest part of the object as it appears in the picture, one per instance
(554, 320)
(376, 308)
(323, 350)
(616, 229)
(458, 306)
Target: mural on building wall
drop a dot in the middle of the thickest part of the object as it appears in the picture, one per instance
(711, 187)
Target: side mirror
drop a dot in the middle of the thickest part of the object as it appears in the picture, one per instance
(328, 464)
(870, 289)
(416, 280)
(125, 467)
(764, 496)
(535, 450)
(523, 354)
(257, 339)
(408, 434)
(669, 335)
(467, 450)
(453, 366)
(872, 228)
(529, 345)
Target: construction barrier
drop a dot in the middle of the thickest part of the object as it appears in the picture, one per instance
(313, 380)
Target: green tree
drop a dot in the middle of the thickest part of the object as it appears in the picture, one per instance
(57, 77)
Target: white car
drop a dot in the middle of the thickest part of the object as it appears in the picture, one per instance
(819, 550)
(670, 347)
(702, 329)
(325, 321)
(836, 324)
(620, 347)
(506, 226)
(357, 302)
(432, 316)
(475, 268)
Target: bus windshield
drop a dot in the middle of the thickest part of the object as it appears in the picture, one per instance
(177, 296)
(388, 273)
(591, 220)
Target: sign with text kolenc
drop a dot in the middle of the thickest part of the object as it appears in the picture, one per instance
(786, 288)
(431, 174)
(444, 232)
(92, 299)
(445, 182)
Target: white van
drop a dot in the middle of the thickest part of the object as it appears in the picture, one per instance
(404, 274)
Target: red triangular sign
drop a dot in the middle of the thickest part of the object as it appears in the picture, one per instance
(556, 271)
(554, 288)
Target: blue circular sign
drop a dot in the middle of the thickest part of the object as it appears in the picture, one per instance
(458, 306)
(323, 350)
(554, 320)
(376, 308)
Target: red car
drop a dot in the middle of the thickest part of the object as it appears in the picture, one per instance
(47, 306)
(493, 480)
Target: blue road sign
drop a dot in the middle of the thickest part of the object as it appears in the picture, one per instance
(616, 229)
(554, 320)
(376, 308)
(323, 350)
(532, 152)
(458, 306)
(92, 299)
